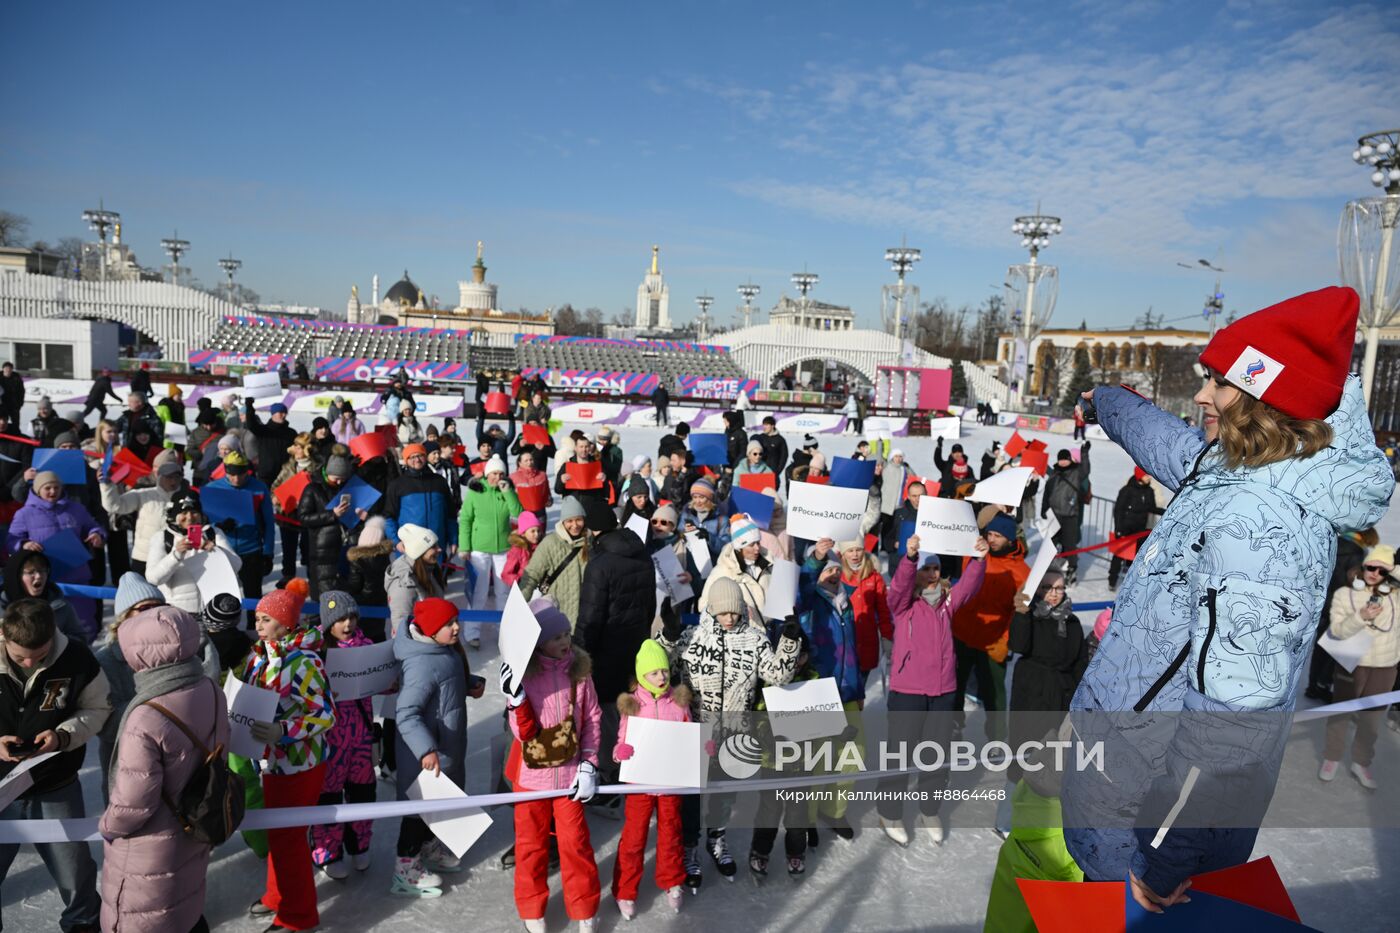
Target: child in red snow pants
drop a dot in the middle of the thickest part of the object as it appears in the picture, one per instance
(580, 872)
(291, 887)
(632, 847)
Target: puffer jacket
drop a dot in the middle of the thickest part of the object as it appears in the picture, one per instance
(149, 505)
(553, 550)
(40, 520)
(1133, 508)
(431, 711)
(153, 873)
(368, 566)
(872, 612)
(984, 620)
(617, 603)
(1345, 621)
(325, 532)
(1216, 616)
(292, 667)
(827, 619)
(921, 659)
(755, 588)
(548, 684)
(517, 558)
(671, 706)
(484, 525)
(725, 669)
(417, 497)
(168, 569)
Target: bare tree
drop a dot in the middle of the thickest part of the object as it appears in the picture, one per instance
(13, 228)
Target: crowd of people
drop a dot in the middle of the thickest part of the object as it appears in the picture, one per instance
(617, 640)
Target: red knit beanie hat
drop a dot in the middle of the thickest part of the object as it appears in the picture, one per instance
(432, 615)
(285, 605)
(1294, 355)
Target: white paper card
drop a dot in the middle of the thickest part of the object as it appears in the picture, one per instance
(810, 709)
(1049, 526)
(20, 780)
(948, 428)
(671, 754)
(520, 633)
(458, 831)
(1040, 565)
(214, 574)
(248, 704)
(815, 511)
(946, 526)
(1347, 652)
(699, 552)
(781, 598)
(177, 433)
(262, 385)
(1004, 488)
(639, 525)
(363, 671)
(668, 573)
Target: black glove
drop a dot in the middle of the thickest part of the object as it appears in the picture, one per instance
(1084, 446)
(1087, 409)
(670, 621)
(792, 629)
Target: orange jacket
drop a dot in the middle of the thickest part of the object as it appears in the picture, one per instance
(984, 620)
(871, 610)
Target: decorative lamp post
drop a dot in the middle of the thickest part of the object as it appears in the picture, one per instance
(230, 266)
(804, 281)
(1041, 286)
(704, 301)
(748, 292)
(901, 259)
(1366, 244)
(101, 220)
(175, 248)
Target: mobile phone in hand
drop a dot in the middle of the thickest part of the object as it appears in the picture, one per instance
(345, 499)
(195, 535)
(23, 748)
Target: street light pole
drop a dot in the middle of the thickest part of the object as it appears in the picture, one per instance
(901, 259)
(1035, 231)
(230, 266)
(804, 281)
(748, 292)
(100, 220)
(176, 248)
(1365, 263)
(704, 301)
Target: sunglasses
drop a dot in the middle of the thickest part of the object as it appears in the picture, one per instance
(662, 523)
(1059, 587)
(1373, 569)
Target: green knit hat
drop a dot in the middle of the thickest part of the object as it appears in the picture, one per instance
(651, 657)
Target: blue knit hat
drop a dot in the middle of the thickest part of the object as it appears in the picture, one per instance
(132, 588)
(1003, 525)
(277, 409)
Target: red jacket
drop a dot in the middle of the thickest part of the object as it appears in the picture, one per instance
(872, 614)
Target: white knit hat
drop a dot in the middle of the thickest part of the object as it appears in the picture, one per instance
(494, 465)
(416, 540)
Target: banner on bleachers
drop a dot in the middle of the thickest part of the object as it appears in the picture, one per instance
(714, 387)
(346, 368)
(213, 360)
(611, 381)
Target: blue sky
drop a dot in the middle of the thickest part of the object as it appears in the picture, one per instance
(322, 143)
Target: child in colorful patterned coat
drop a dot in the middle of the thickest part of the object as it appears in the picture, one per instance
(350, 768)
(651, 697)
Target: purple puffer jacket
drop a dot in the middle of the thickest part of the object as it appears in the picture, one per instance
(921, 661)
(40, 520)
(152, 873)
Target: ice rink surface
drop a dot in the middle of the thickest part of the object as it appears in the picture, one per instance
(1340, 879)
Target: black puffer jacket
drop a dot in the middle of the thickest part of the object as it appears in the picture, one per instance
(17, 456)
(324, 533)
(617, 603)
(1134, 508)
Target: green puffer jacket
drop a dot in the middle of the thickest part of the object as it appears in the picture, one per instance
(484, 523)
(553, 550)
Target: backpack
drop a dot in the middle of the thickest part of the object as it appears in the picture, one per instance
(211, 805)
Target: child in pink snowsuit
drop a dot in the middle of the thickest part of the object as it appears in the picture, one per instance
(350, 763)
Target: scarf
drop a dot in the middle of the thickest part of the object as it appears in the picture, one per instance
(153, 683)
(933, 595)
(1060, 614)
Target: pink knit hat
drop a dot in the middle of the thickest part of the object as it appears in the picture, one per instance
(526, 521)
(1101, 623)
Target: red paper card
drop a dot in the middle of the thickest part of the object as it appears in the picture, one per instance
(933, 489)
(478, 468)
(135, 466)
(1255, 884)
(536, 434)
(1126, 549)
(1074, 907)
(757, 482)
(497, 403)
(532, 498)
(389, 433)
(289, 493)
(1037, 460)
(1015, 444)
(870, 542)
(217, 472)
(1036, 444)
(909, 482)
(583, 476)
(819, 480)
(369, 446)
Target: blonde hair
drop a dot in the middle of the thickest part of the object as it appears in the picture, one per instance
(1255, 434)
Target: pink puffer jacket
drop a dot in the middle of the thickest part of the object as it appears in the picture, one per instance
(547, 685)
(671, 706)
(152, 874)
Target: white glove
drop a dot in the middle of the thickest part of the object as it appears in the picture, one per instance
(268, 733)
(515, 693)
(585, 783)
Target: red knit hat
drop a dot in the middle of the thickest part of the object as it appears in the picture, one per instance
(1294, 355)
(432, 615)
(285, 605)
(1139, 473)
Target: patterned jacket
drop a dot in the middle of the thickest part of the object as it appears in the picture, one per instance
(293, 668)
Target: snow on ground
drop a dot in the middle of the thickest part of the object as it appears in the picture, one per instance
(1335, 876)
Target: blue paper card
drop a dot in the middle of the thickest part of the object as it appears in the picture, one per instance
(362, 496)
(852, 474)
(221, 502)
(66, 551)
(757, 504)
(1206, 912)
(710, 449)
(68, 464)
(906, 531)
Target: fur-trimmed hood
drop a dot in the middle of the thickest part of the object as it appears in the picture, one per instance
(630, 704)
(382, 549)
(580, 668)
